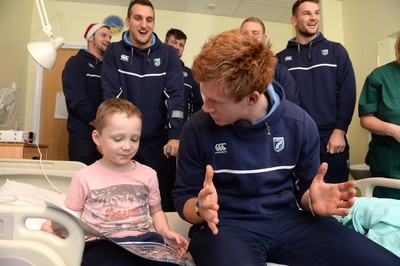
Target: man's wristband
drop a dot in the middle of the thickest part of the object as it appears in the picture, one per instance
(197, 209)
(310, 206)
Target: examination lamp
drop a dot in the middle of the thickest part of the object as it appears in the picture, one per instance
(45, 53)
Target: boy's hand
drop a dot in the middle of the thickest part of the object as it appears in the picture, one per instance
(47, 226)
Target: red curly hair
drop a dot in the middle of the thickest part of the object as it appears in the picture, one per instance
(237, 61)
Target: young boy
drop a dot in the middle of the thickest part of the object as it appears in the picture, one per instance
(118, 196)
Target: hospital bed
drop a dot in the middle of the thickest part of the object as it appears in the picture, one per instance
(366, 186)
(24, 183)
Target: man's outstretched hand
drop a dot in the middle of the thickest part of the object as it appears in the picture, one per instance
(331, 199)
(208, 200)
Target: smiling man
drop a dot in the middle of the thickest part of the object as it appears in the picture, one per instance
(147, 72)
(81, 81)
(326, 85)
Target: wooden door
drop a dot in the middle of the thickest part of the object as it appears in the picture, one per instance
(54, 131)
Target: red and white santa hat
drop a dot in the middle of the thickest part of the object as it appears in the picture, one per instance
(92, 29)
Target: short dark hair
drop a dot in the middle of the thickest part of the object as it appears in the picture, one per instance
(139, 2)
(299, 2)
(179, 35)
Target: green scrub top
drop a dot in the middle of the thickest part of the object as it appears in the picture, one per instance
(381, 95)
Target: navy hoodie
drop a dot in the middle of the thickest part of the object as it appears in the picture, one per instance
(258, 169)
(150, 78)
(325, 80)
(81, 82)
(195, 100)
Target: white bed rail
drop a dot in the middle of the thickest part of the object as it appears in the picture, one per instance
(367, 185)
(33, 172)
(22, 246)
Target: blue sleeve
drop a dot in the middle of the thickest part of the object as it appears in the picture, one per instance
(346, 89)
(109, 74)
(174, 86)
(197, 98)
(75, 88)
(289, 85)
(309, 159)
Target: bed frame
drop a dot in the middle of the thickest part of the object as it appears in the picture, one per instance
(20, 246)
(366, 185)
(31, 172)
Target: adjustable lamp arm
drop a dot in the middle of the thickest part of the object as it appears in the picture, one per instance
(45, 53)
(44, 19)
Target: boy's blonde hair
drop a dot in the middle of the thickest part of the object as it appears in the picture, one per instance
(113, 106)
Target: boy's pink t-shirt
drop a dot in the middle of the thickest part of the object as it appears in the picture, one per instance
(115, 204)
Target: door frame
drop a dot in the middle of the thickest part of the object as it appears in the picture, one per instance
(38, 90)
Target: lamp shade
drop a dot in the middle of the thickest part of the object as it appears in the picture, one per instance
(45, 53)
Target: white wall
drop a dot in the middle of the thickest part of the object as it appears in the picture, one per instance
(15, 18)
(70, 20)
(358, 24)
(365, 23)
(386, 50)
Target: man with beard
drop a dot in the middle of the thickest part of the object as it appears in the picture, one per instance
(148, 73)
(81, 81)
(326, 85)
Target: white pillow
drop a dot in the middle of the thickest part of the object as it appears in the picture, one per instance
(23, 194)
(18, 193)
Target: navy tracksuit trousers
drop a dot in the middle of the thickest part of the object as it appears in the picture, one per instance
(295, 238)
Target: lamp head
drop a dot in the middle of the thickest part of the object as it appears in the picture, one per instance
(45, 53)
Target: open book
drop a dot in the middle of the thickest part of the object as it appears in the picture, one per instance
(149, 250)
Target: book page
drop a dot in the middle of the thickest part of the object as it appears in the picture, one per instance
(149, 250)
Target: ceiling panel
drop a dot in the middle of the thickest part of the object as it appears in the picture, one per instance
(221, 7)
(176, 5)
(270, 13)
(267, 10)
(281, 3)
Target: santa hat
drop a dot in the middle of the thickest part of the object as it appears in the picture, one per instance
(92, 29)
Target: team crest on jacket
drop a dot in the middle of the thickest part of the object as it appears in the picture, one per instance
(220, 148)
(288, 58)
(124, 57)
(279, 143)
(157, 61)
(325, 52)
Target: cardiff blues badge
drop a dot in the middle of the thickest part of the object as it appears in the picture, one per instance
(279, 143)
